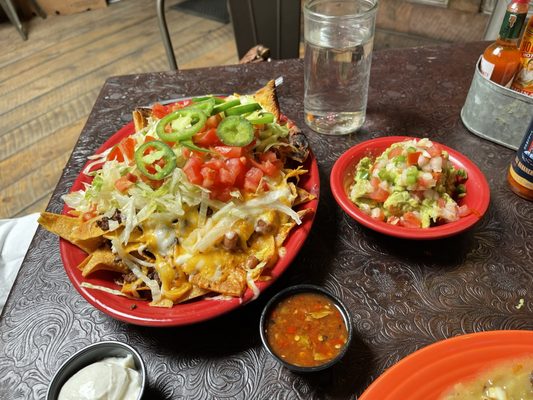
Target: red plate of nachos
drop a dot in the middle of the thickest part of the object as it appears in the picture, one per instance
(190, 211)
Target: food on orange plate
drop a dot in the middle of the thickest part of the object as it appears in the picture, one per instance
(198, 200)
(411, 184)
(508, 381)
(306, 329)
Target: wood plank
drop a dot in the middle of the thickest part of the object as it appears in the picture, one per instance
(59, 142)
(99, 29)
(71, 66)
(44, 34)
(45, 123)
(37, 207)
(16, 197)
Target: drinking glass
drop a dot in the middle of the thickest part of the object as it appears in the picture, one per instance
(339, 35)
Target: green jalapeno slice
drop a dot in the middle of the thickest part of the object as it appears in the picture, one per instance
(264, 118)
(243, 109)
(218, 100)
(188, 121)
(235, 131)
(205, 105)
(224, 106)
(163, 154)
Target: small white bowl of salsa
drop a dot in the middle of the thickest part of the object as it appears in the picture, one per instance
(306, 328)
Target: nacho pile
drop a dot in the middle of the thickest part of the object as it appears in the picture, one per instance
(199, 200)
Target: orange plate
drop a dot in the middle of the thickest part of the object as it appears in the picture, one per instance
(429, 372)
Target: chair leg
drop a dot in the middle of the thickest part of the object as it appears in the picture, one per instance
(9, 9)
(165, 35)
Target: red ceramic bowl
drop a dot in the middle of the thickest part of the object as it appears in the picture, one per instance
(477, 197)
(430, 372)
(139, 312)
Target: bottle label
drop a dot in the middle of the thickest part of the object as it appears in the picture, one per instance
(522, 165)
(523, 81)
(512, 25)
(486, 68)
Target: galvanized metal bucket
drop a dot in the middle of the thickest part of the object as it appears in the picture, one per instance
(496, 113)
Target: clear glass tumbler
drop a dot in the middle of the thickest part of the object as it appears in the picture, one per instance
(339, 36)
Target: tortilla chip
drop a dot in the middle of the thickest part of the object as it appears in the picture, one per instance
(140, 118)
(268, 98)
(285, 229)
(102, 259)
(265, 250)
(223, 275)
(86, 238)
(302, 196)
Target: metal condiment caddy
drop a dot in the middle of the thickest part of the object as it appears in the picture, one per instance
(496, 113)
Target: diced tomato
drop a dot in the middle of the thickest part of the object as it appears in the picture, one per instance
(125, 182)
(159, 110)
(179, 105)
(210, 177)
(124, 150)
(86, 216)
(192, 170)
(395, 152)
(230, 151)
(375, 181)
(221, 194)
(463, 211)
(238, 168)
(252, 179)
(227, 178)
(412, 158)
(379, 194)
(410, 220)
(213, 121)
(207, 138)
(434, 150)
(214, 163)
(153, 183)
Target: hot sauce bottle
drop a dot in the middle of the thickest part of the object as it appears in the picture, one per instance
(523, 81)
(520, 175)
(501, 59)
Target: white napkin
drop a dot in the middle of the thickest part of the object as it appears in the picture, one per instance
(15, 237)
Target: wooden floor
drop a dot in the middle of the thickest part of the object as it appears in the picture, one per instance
(49, 83)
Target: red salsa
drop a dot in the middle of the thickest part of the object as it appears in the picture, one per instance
(306, 329)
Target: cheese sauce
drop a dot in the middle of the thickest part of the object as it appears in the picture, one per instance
(508, 381)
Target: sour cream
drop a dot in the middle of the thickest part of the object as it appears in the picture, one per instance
(110, 379)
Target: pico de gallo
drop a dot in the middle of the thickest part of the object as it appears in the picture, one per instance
(411, 184)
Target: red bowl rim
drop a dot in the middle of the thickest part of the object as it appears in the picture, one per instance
(477, 198)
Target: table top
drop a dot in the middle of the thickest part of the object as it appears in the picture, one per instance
(402, 295)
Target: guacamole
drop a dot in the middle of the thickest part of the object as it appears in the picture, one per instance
(411, 184)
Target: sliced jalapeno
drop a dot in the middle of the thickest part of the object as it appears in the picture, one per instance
(205, 105)
(163, 152)
(192, 120)
(218, 100)
(265, 118)
(243, 109)
(190, 145)
(224, 106)
(235, 131)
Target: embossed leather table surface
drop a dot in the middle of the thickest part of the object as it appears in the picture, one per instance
(402, 295)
